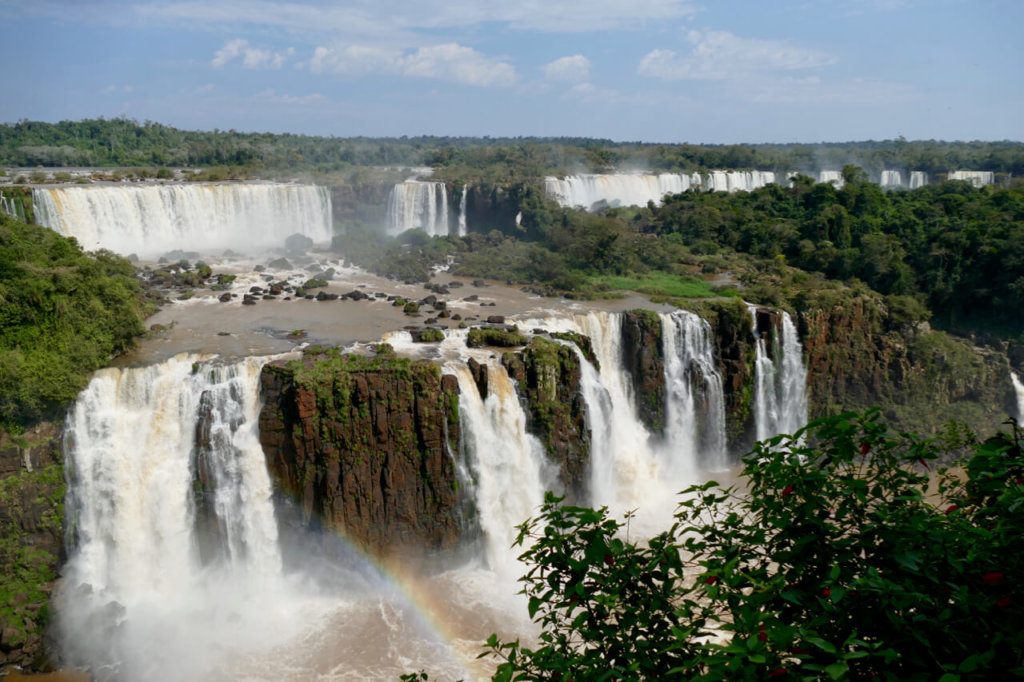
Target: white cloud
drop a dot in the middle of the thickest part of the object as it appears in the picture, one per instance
(453, 62)
(721, 55)
(252, 57)
(448, 62)
(574, 69)
(202, 89)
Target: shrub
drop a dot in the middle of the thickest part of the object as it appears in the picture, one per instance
(835, 563)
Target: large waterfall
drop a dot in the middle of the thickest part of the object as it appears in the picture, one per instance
(695, 401)
(150, 452)
(175, 568)
(416, 204)
(149, 220)
(502, 457)
(780, 395)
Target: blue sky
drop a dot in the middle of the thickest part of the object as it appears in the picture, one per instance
(702, 71)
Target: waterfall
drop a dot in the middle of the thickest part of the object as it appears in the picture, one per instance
(12, 207)
(976, 178)
(833, 176)
(625, 189)
(918, 179)
(892, 179)
(138, 601)
(780, 393)
(1018, 389)
(695, 399)
(462, 212)
(509, 466)
(737, 181)
(414, 204)
(637, 189)
(150, 220)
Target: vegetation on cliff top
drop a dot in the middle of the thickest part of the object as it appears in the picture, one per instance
(63, 314)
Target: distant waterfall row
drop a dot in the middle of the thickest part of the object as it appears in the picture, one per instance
(150, 220)
(424, 205)
(635, 189)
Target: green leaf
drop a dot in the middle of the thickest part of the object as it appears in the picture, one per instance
(837, 670)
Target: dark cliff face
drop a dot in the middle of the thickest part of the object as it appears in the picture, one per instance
(363, 445)
(920, 378)
(642, 358)
(31, 542)
(548, 379)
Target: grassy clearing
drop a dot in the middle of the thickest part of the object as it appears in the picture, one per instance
(659, 284)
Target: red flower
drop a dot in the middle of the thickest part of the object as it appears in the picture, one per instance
(864, 448)
(763, 636)
(1003, 603)
(778, 672)
(787, 490)
(710, 580)
(826, 592)
(609, 559)
(952, 508)
(923, 463)
(992, 578)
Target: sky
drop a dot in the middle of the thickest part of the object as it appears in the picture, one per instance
(698, 71)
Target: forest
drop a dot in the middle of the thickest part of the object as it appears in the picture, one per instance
(125, 142)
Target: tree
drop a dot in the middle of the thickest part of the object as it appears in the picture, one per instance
(835, 563)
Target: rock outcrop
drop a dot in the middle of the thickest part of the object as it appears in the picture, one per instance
(31, 542)
(642, 357)
(921, 379)
(364, 446)
(548, 378)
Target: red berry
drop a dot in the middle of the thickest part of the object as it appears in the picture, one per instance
(778, 672)
(992, 578)
(763, 636)
(710, 580)
(952, 508)
(787, 490)
(826, 592)
(1003, 603)
(864, 448)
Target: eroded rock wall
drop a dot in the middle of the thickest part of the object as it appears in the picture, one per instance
(547, 374)
(364, 445)
(31, 542)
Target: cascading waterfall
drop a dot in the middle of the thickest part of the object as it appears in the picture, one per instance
(416, 204)
(138, 601)
(833, 176)
(462, 211)
(918, 179)
(695, 399)
(780, 394)
(737, 181)
(1018, 389)
(976, 178)
(626, 189)
(12, 207)
(509, 467)
(150, 220)
(891, 179)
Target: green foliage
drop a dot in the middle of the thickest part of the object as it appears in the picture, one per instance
(33, 498)
(836, 562)
(63, 314)
(488, 336)
(659, 284)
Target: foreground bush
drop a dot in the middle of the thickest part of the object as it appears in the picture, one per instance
(837, 562)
